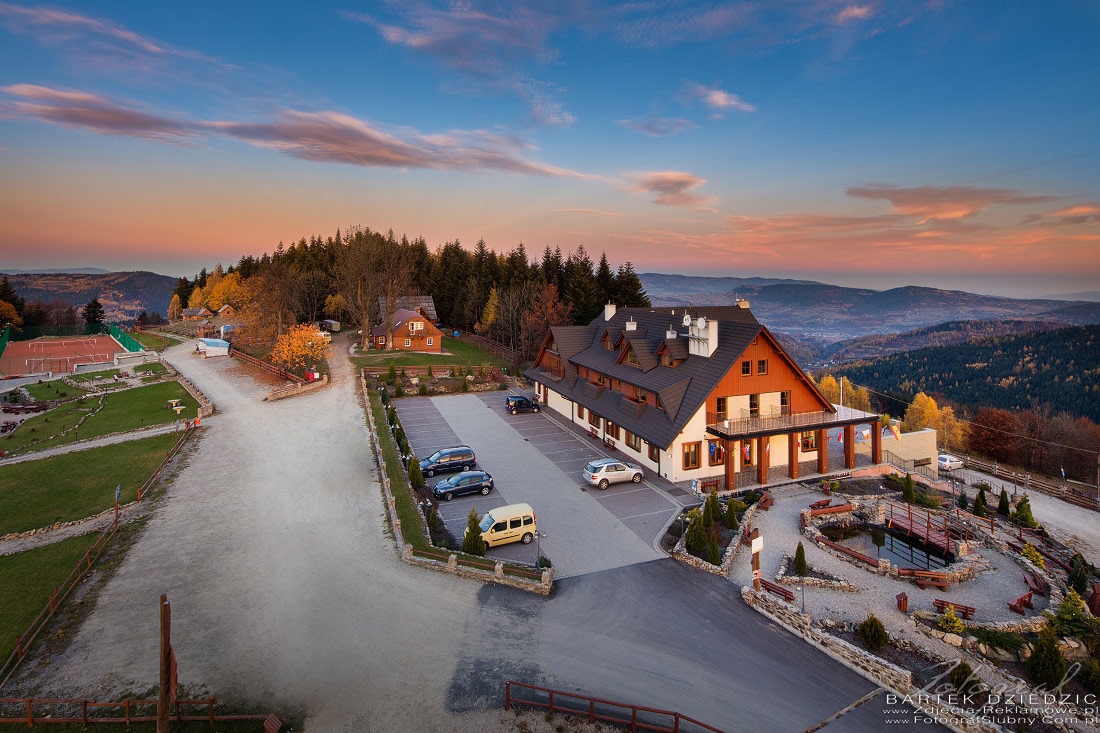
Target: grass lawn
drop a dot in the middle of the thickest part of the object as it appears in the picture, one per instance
(75, 485)
(461, 353)
(106, 374)
(407, 512)
(154, 367)
(28, 579)
(54, 389)
(150, 379)
(154, 341)
(130, 409)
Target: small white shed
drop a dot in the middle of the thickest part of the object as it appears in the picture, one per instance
(213, 347)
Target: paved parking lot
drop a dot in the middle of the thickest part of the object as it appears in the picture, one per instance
(534, 459)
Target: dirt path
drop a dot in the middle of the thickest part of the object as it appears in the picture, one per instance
(93, 443)
(285, 590)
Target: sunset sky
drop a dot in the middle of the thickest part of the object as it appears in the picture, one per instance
(953, 144)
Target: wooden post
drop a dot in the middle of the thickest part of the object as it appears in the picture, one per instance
(762, 460)
(792, 455)
(849, 446)
(165, 648)
(756, 571)
(876, 442)
(822, 451)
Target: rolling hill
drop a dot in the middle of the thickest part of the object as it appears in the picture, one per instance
(123, 294)
(1058, 367)
(942, 334)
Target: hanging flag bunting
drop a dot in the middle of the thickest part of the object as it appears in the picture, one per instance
(840, 437)
(896, 431)
(1063, 474)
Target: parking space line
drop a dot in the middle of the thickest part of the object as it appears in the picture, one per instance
(647, 514)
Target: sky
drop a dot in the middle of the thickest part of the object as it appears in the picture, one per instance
(876, 144)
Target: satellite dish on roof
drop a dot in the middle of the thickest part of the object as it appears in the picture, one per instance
(701, 324)
(687, 320)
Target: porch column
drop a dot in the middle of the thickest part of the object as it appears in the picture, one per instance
(822, 451)
(762, 460)
(849, 446)
(730, 448)
(876, 442)
(792, 455)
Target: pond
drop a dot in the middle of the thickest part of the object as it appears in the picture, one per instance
(895, 546)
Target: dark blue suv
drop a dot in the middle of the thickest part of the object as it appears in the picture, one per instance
(519, 403)
(460, 458)
(467, 482)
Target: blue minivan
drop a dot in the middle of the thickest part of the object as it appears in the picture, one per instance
(459, 458)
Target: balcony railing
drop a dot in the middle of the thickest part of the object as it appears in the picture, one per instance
(739, 422)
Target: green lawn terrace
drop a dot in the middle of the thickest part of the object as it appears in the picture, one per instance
(456, 352)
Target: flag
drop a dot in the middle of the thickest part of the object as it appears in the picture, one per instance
(118, 489)
(840, 437)
(867, 434)
(897, 433)
(1063, 474)
(748, 454)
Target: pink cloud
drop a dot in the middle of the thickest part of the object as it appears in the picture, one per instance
(655, 126)
(853, 12)
(943, 202)
(1077, 214)
(718, 99)
(588, 212)
(673, 188)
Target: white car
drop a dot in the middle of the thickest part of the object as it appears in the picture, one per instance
(604, 471)
(949, 463)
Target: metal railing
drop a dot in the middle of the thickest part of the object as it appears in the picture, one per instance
(929, 472)
(747, 421)
(599, 710)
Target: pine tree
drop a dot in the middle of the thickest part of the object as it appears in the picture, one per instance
(1022, 516)
(731, 514)
(629, 292)
(1004, 508)
(714, 555)
(963, 502)
(1046, 664)
(696, 538)
(1079, 573)
(982, 497)
(416, 478)
(92, 312)
(8, 295)
(908, 490)
(472, 541)
(979, 504)
(710, 510)
(605, 280)
(800, 565)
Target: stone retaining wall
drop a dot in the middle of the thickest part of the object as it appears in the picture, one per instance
(206, 407)
(726, 567)
(542, 587)
(783, 578)
(283, 392)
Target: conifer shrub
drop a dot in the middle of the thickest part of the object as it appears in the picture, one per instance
(711, 510)
(1004, 508)
(800, 565)
(1022, 516)
(391, 374)
(416, 478)
(1046, 665)
(430, 371)
(964, 680)
(908, 490)
(949, 622)
(1033, 555)
(422, 389)
(963, 502)
(872, 632)
(731, 514)
(472, 541)
(714, 555)
(398, 391)
(696, 540)
(1079, 572)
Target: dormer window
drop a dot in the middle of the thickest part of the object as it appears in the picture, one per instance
(608, 345)
(666, 360)
(631, 358)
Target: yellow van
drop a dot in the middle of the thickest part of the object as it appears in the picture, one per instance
(512, 523)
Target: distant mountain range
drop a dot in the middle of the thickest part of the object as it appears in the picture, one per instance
(1093, 295)
(942, 334)
(123, 294)
(830, 313)
(59, 271)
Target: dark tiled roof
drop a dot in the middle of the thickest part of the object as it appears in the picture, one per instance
(195, 311)
(411, 303)
(682, 389)
(397, 319)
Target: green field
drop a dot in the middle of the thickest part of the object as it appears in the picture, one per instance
(130, 409)
(105, 375)
(75, 485)
(54, 389)
(461, 353)
(35, 574)
(155, 341)
(153, 367)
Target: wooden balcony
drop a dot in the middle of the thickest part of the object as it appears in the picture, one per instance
(778, 421)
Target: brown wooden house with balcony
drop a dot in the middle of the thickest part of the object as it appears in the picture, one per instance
(411, 331)
(700, 393)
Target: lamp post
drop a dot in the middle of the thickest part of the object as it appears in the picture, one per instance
(538, 548)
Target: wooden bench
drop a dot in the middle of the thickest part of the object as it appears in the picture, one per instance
(965, 611)
(593, 433)
(609, 442)
(926, 578)
(1036, 584)
(749, 535)
(821, 504)
(766, 501)
(1021, 603)
(273, 724)
(779, 590)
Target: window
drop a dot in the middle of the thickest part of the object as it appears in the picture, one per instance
(784, 403)
(599, 379)
(528, 520)
(593, 419)
(430, 341)
(716, 452)
(381, 340)
(633, 440)
(721, 408)
(408, 343)
(612, 429)
(500, 526)
(515, 523)
(580, 412)
(416, 325)
(691, 455)
(607, 344)
(808, 440)
(666, 360)
(746, 368)
(754, 405)
(631, 358)
(654, 453)
(639, 393)
(762, 366)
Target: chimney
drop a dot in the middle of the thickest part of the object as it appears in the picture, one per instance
(702, 337)
(631, 325)
(609, 311)
(670, 333)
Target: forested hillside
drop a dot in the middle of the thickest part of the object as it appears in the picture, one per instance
(1060, 368)
(123, 295)
(942, 334)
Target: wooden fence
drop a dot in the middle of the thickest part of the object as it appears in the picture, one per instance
(24, 641)
(437, 370)
(493, 347)
(270, 368)
(595, 709)
(26, 706)
(1081, 495)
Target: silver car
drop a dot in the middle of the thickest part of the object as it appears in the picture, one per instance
(605, 471)
(949, 463)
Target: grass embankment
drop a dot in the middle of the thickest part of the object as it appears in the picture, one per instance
(154, 341)
(131, 409)
(411, 521)
(461, 353)
(75, 485)
(153, 367)
(54, 389)
(104, 375)
(28, 579)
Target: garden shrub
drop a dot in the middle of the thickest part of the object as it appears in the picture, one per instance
(963, 503)
(731, 514)
(391, 415)
(391, 375)
(1006, 640)
(907, 489)
(1090, 676)
(544, 562)
(1022, 516)
(422, 389)
(949, 622)
(696, 539)
(465, 386)
(964, 680)
(452, 371)
(398, 391)
(834, 485)
(800, 565)
(416, 478)
(1033, 556)
(502, 386)
(1079, 572)
(929, 500)
(472, 541)
(1004, 508)
(1070, 618)
(1046, 665)
(430, 371)
(711, 509)
(872, 632)
(752, 497)
(979, 505)
(714, 555)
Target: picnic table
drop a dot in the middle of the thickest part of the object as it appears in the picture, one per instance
(1021, 603)
(179, 409)
(174, 403)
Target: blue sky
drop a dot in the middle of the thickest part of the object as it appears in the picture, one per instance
(875, 144)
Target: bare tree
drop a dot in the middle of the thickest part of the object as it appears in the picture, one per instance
(393, 272)
(356, 278)
(513, 303)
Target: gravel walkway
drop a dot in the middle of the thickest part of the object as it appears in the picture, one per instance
(93, 443)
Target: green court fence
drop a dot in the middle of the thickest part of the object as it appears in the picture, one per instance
(125, 339)
(4, 339)
(27, 333)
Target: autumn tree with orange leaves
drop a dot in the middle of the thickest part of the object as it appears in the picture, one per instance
(300, 347)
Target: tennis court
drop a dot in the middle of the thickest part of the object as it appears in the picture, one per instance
(57, 355)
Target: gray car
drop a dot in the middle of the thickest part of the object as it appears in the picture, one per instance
(603, 472)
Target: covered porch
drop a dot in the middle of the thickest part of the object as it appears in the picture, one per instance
(746, 444)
